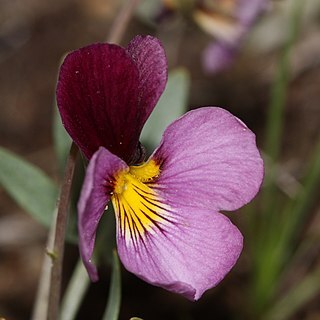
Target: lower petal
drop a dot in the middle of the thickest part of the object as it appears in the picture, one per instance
(189, 254)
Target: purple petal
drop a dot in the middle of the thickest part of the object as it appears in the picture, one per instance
(248, 10)
(209, 159)
(150, 59)
(189, 255)
(105, 93)
(95, 194)
(175, 237)
(229, 31)
(218, 56)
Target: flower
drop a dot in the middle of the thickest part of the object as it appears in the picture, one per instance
(170, 231)
(227, 21)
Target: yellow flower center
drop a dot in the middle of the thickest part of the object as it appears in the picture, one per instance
(138, 207)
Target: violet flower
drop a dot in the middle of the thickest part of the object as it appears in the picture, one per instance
(170, 231)
(228, 21)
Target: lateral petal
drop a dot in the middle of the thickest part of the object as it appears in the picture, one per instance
(209, 159)
(95, 195)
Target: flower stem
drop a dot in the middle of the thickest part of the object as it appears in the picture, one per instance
(56, 253)
(48, 297)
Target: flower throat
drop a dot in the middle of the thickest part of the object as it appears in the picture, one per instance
(138, 207)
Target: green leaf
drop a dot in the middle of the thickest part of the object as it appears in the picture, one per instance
(171, 106)
(30, 187)
(296, 212)
(62, 140)
(77, 287)
(114, 301)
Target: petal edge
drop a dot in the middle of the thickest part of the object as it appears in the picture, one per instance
(95, 195)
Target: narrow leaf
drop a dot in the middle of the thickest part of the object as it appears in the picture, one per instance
(114, 301)
(77, 287)
(275, 119)
(266, 259)
(30, 187)
(298, 210)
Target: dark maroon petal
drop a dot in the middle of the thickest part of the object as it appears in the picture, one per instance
(95, 195)
(150, 59)
(97, 95)
(105, 94)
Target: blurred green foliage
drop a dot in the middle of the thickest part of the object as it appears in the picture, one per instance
(29, 186)
(172, 104)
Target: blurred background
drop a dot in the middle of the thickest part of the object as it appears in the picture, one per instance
(35, 35)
